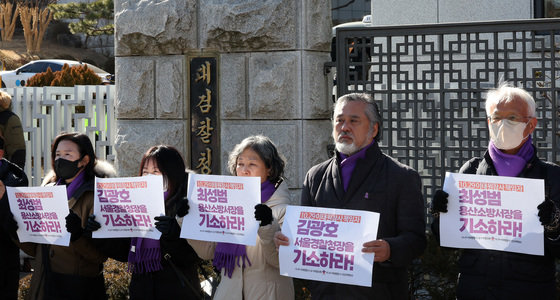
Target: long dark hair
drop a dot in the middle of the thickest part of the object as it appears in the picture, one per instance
(172, 166)
(84, 147)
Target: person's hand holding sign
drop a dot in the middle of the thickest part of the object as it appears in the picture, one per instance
(380, 248)
(439, 203)
(74, 226)
(183, 208)
(280, 239)
(92, 225)
(263, 213)
(168, 227)
(549, 216)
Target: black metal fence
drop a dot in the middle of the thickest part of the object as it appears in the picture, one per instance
(431, 80)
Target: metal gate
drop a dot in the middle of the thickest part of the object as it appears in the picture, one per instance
(430, 82)
(45, 112)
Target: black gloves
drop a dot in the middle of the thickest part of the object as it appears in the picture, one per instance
(263, 213)
(439, 203)
(74, 226)
(92, 225)
(183, 208)
(549, 215)
(168, 227)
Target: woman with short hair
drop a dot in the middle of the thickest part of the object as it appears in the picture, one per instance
(252, 272)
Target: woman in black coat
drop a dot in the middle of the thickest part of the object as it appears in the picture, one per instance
(166, 268)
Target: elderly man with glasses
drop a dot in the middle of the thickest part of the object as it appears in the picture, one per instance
(490, 274)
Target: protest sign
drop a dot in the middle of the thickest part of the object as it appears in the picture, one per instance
(326, 244)
(222, 209)
(493, 212)
(127, 206)
(40, 213)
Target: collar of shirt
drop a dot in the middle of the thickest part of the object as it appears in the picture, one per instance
(348, 163)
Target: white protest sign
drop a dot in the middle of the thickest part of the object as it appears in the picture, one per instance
(222, 209)
(40, 213)
(493, 212)
(326, 244)
(127, 206)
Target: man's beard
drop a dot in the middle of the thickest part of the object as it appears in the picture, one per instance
(347, 149)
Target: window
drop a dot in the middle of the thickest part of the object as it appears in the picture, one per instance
(547, 8)
(36, 67)
(54, 67)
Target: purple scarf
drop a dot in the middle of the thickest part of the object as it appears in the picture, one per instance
(145, 254)
(228, 255)
(511, 164)
(348, 163)
(74, 185)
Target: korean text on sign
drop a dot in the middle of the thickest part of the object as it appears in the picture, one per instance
(126, 206)
(224, 209)
(325, 244)
(40, 213)
(493, 212)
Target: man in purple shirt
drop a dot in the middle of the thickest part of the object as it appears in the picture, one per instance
(359, 176)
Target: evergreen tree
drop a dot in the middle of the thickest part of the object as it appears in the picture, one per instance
(87, 16)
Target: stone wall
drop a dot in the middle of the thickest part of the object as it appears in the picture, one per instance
(444, 11)
(102, 44)
(270, 56)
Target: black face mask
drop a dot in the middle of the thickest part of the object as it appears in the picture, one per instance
(65, 169)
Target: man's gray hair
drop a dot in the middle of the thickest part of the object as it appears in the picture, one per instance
(266, 150)
(506, 92)
(372, 111)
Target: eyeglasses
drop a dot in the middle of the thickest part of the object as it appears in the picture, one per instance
(512, 118)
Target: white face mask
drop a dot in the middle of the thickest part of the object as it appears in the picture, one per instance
(507, 134)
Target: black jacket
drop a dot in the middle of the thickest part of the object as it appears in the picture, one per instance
(179, 277)
(379, 184)
(490, 274)
(11, 175)
(177, 280)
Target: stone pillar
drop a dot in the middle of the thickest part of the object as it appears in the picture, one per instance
(271, 82)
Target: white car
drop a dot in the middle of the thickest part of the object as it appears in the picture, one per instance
(18, 77)
(365, 22)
